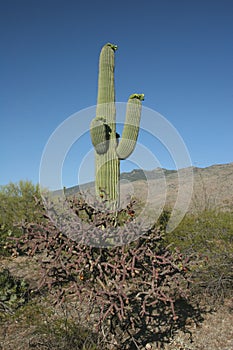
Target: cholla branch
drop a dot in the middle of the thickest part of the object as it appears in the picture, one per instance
(128, 285)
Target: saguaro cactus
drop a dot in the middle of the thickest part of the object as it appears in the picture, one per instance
(109, 147)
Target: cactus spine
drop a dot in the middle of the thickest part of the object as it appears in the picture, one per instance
(108, 149)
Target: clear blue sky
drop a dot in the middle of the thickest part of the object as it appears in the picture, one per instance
(179, 53)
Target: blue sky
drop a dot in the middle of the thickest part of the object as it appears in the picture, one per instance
(179, 53)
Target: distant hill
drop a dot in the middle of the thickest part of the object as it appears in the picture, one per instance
(139, 174)
(213, 186)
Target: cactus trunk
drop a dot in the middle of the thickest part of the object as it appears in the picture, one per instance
(107, 177)
(103, 130)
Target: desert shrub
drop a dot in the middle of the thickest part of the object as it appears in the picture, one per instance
(131, 290)
(14, 292)
(209, 236)
(17, 205)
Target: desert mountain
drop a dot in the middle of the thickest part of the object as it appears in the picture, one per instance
(208, 188)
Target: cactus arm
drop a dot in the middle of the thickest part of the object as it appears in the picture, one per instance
(131, 127)
(100, 134)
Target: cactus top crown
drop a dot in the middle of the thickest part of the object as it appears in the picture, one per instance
(114, 47)
(138, 96)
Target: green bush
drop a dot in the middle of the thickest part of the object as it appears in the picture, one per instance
(17, 205)
(13, 292)
(209, 236)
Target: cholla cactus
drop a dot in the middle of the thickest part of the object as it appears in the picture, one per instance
(109, 147)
